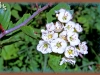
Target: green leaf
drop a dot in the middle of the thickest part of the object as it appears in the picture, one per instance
(33, 65)
(17, 7)
(82, 37)
(30, 31)
(16, 69)
(21, 57)
(11, 25)
(85, 61)
(48, 70)
(82, 19)
(12, 5)
(98, 8)
(5, 16)
(77, 69)
(15, 14)
(9, 52)
(54, 63)
(50, 14)
(23, 69)
(97, 25)
(18, 62)
(25, 17)
(86, 27)
(92, 15)
(1, 64)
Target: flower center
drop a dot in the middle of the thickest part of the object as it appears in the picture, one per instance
(68, 27)
(64, 17)
(64, 37)
(45, 45)
(71, 38)
(70, 51)
(50, 36)
(58, 44)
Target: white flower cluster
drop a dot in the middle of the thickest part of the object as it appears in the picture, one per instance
(62, 37)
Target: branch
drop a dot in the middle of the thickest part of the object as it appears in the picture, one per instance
(26, 21)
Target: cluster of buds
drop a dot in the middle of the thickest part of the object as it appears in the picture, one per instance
(62, 37)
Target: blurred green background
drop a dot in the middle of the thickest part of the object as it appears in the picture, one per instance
(18, 49)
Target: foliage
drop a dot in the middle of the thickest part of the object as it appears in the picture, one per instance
(18, 51)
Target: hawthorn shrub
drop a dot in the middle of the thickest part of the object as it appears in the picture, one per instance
(46, 37)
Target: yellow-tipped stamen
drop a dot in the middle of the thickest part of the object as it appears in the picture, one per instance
(58, 44)
(50, 36)
(70, 51)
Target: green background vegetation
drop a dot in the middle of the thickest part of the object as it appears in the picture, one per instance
(18, 49)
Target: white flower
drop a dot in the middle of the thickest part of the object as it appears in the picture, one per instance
(73, 39)
(48, 35)
(70, 52)
(58, 26)
(69, 60)
(50, 26)
(62, 10)
(58, 45)
(59, 11)
(69, 27)
(64, 17)
(78, 28)
(44, 47)
(82, 48)
(57, 15)
(63, 35)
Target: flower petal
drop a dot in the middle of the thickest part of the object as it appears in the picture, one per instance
(58, 45)
(44, 47)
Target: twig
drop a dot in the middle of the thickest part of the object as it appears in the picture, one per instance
(26, 21)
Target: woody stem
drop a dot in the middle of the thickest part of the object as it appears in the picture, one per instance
(26, 21)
